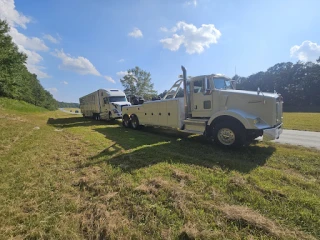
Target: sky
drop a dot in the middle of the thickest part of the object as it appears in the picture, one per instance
(78, 46)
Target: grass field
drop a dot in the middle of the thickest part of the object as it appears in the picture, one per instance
(302, 121)
(66, 177)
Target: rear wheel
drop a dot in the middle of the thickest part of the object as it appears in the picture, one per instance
(229, 134)
(135, 122)
(126, 121)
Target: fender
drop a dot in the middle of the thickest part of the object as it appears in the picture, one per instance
(245, 118)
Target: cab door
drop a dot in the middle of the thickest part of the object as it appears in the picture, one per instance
(105, 108)
(201, 105)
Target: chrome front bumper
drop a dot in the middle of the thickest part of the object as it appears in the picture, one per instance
(272, 133)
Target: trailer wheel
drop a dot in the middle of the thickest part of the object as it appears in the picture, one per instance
(126, 121)
(229, 134)
(135, 122)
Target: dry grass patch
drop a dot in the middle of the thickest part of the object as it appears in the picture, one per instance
(245, 216)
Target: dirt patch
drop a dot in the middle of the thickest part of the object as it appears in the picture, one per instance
(182, 176)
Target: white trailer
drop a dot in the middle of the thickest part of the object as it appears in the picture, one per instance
(104, 104)
(213, 107)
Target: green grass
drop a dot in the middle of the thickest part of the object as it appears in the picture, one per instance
(302, 121)
(74, 178)
(20, 106)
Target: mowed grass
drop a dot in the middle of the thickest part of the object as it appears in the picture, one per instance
(74, 178)
(302, 121)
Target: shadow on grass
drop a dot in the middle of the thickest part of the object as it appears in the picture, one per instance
(139, 149)
(77, 122)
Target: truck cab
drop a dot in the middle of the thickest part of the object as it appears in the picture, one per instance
(112, 102)
(231, 116)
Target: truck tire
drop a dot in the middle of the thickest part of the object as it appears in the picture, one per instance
(126, 121)
(229, 134)
(96, 116)
(135, 122)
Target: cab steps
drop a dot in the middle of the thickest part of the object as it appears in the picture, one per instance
(197, 126)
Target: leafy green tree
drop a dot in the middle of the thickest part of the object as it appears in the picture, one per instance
(15, 79)
(298, 83)
(138, 82)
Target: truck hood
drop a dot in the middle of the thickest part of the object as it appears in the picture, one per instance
(121, 103)
(251, 93)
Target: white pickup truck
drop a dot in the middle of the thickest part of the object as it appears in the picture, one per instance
(104, 104)
(213, 107)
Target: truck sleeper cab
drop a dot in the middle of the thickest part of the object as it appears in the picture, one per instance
(104, 104)
(213, 107)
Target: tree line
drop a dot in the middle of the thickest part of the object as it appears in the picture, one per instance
(68, 105)
(15, 80)
(298, 83)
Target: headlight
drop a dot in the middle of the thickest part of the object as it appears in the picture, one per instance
(115, 111)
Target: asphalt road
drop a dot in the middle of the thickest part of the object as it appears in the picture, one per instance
(63, 110)
(300, 138)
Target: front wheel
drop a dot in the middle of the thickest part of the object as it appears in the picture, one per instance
(229, 134)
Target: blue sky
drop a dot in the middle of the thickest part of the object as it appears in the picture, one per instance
(78, 46)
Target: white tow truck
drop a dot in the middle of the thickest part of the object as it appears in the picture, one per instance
(104, 104)
(213, 107)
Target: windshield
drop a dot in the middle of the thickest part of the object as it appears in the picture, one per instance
(117, 99)
(222, 83)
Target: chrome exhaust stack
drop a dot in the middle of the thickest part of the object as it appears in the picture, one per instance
(186, 97)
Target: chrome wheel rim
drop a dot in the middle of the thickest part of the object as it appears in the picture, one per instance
(126, 122)
(226, 136)
(134, 123)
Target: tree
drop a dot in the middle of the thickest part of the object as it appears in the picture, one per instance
(318, 60)
(138, 82)
(298, 83)
(15, 79)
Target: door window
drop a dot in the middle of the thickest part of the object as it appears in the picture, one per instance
(106, 100)
(198, 86)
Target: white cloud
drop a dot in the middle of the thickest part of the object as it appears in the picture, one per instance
(79, 65)
(52, 90)
(13, 17)
(164, 29)
(28, 45)
(65, 83)
(33, 62)
(193, 2)
(32, 43)
(121, 60)
(307, 51)
(122, 73)
(109, 79)
(136, 33)
(173, 43)
(194, 39)
(50, 38)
